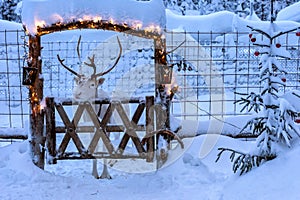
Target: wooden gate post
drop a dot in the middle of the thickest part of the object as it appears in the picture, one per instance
(36, 95)
(50, 130)
(150, 127)
(160, 55)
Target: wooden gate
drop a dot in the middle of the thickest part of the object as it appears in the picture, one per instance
(100, 128)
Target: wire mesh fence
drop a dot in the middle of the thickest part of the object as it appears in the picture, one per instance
(14, 103)
(133, 75)
(218, 66)
(209, 68)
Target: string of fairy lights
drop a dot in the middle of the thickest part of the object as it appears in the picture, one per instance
(150, 32)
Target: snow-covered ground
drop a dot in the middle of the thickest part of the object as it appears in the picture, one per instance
(188, 174)
(189, 177)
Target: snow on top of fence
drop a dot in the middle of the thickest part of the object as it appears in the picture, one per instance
(13, 133)
(7, 25)
(215, 22)
(240, 25)
(146, 15)
(290, 13)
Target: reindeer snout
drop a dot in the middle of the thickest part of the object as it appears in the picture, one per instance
(77, 96)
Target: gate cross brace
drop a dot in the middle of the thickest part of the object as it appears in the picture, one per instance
(130, 133)
(100, 128)
(71, 130)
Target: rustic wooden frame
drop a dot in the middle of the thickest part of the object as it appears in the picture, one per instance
(38, 137)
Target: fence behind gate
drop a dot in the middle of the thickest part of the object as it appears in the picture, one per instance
(14, 105)
(209, 68)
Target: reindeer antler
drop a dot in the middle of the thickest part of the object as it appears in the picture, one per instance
(78, 52)
(92, 61)
(69, 69)
(116, 62)
(92, 64)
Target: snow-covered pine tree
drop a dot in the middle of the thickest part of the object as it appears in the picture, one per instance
(274, 125)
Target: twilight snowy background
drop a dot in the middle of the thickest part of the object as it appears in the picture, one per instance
(187, 176)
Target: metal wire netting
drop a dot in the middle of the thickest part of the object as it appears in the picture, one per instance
(214, 67)
(210, 68)
(14, 102)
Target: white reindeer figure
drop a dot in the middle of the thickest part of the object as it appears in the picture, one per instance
(86, 89)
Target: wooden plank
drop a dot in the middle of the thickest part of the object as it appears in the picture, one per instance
(134, 121)
(100, 155)
(108, 128)
(13, 137)
(70, 102)
(50, 130)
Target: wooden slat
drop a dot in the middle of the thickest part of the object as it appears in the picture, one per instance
(13, 137)
(108, 128)
(77, 156)
(70, 102)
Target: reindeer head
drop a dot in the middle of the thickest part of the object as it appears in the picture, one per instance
(87, 86)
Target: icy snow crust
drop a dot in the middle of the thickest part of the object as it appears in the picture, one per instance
(136, 14)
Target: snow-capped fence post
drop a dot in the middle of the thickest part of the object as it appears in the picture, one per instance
(36, 95)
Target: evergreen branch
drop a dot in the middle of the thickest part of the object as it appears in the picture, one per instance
(257, 122)
(276, 82)
(285, 32)
(295, 94)
(259, 31)
(261, 45)
(288, 58)
(294, 129)
(252, 101)
(244, 162)
(239, 93)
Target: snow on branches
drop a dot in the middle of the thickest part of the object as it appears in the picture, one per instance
(274, 125)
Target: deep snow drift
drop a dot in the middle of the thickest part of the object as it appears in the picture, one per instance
(189, 177)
